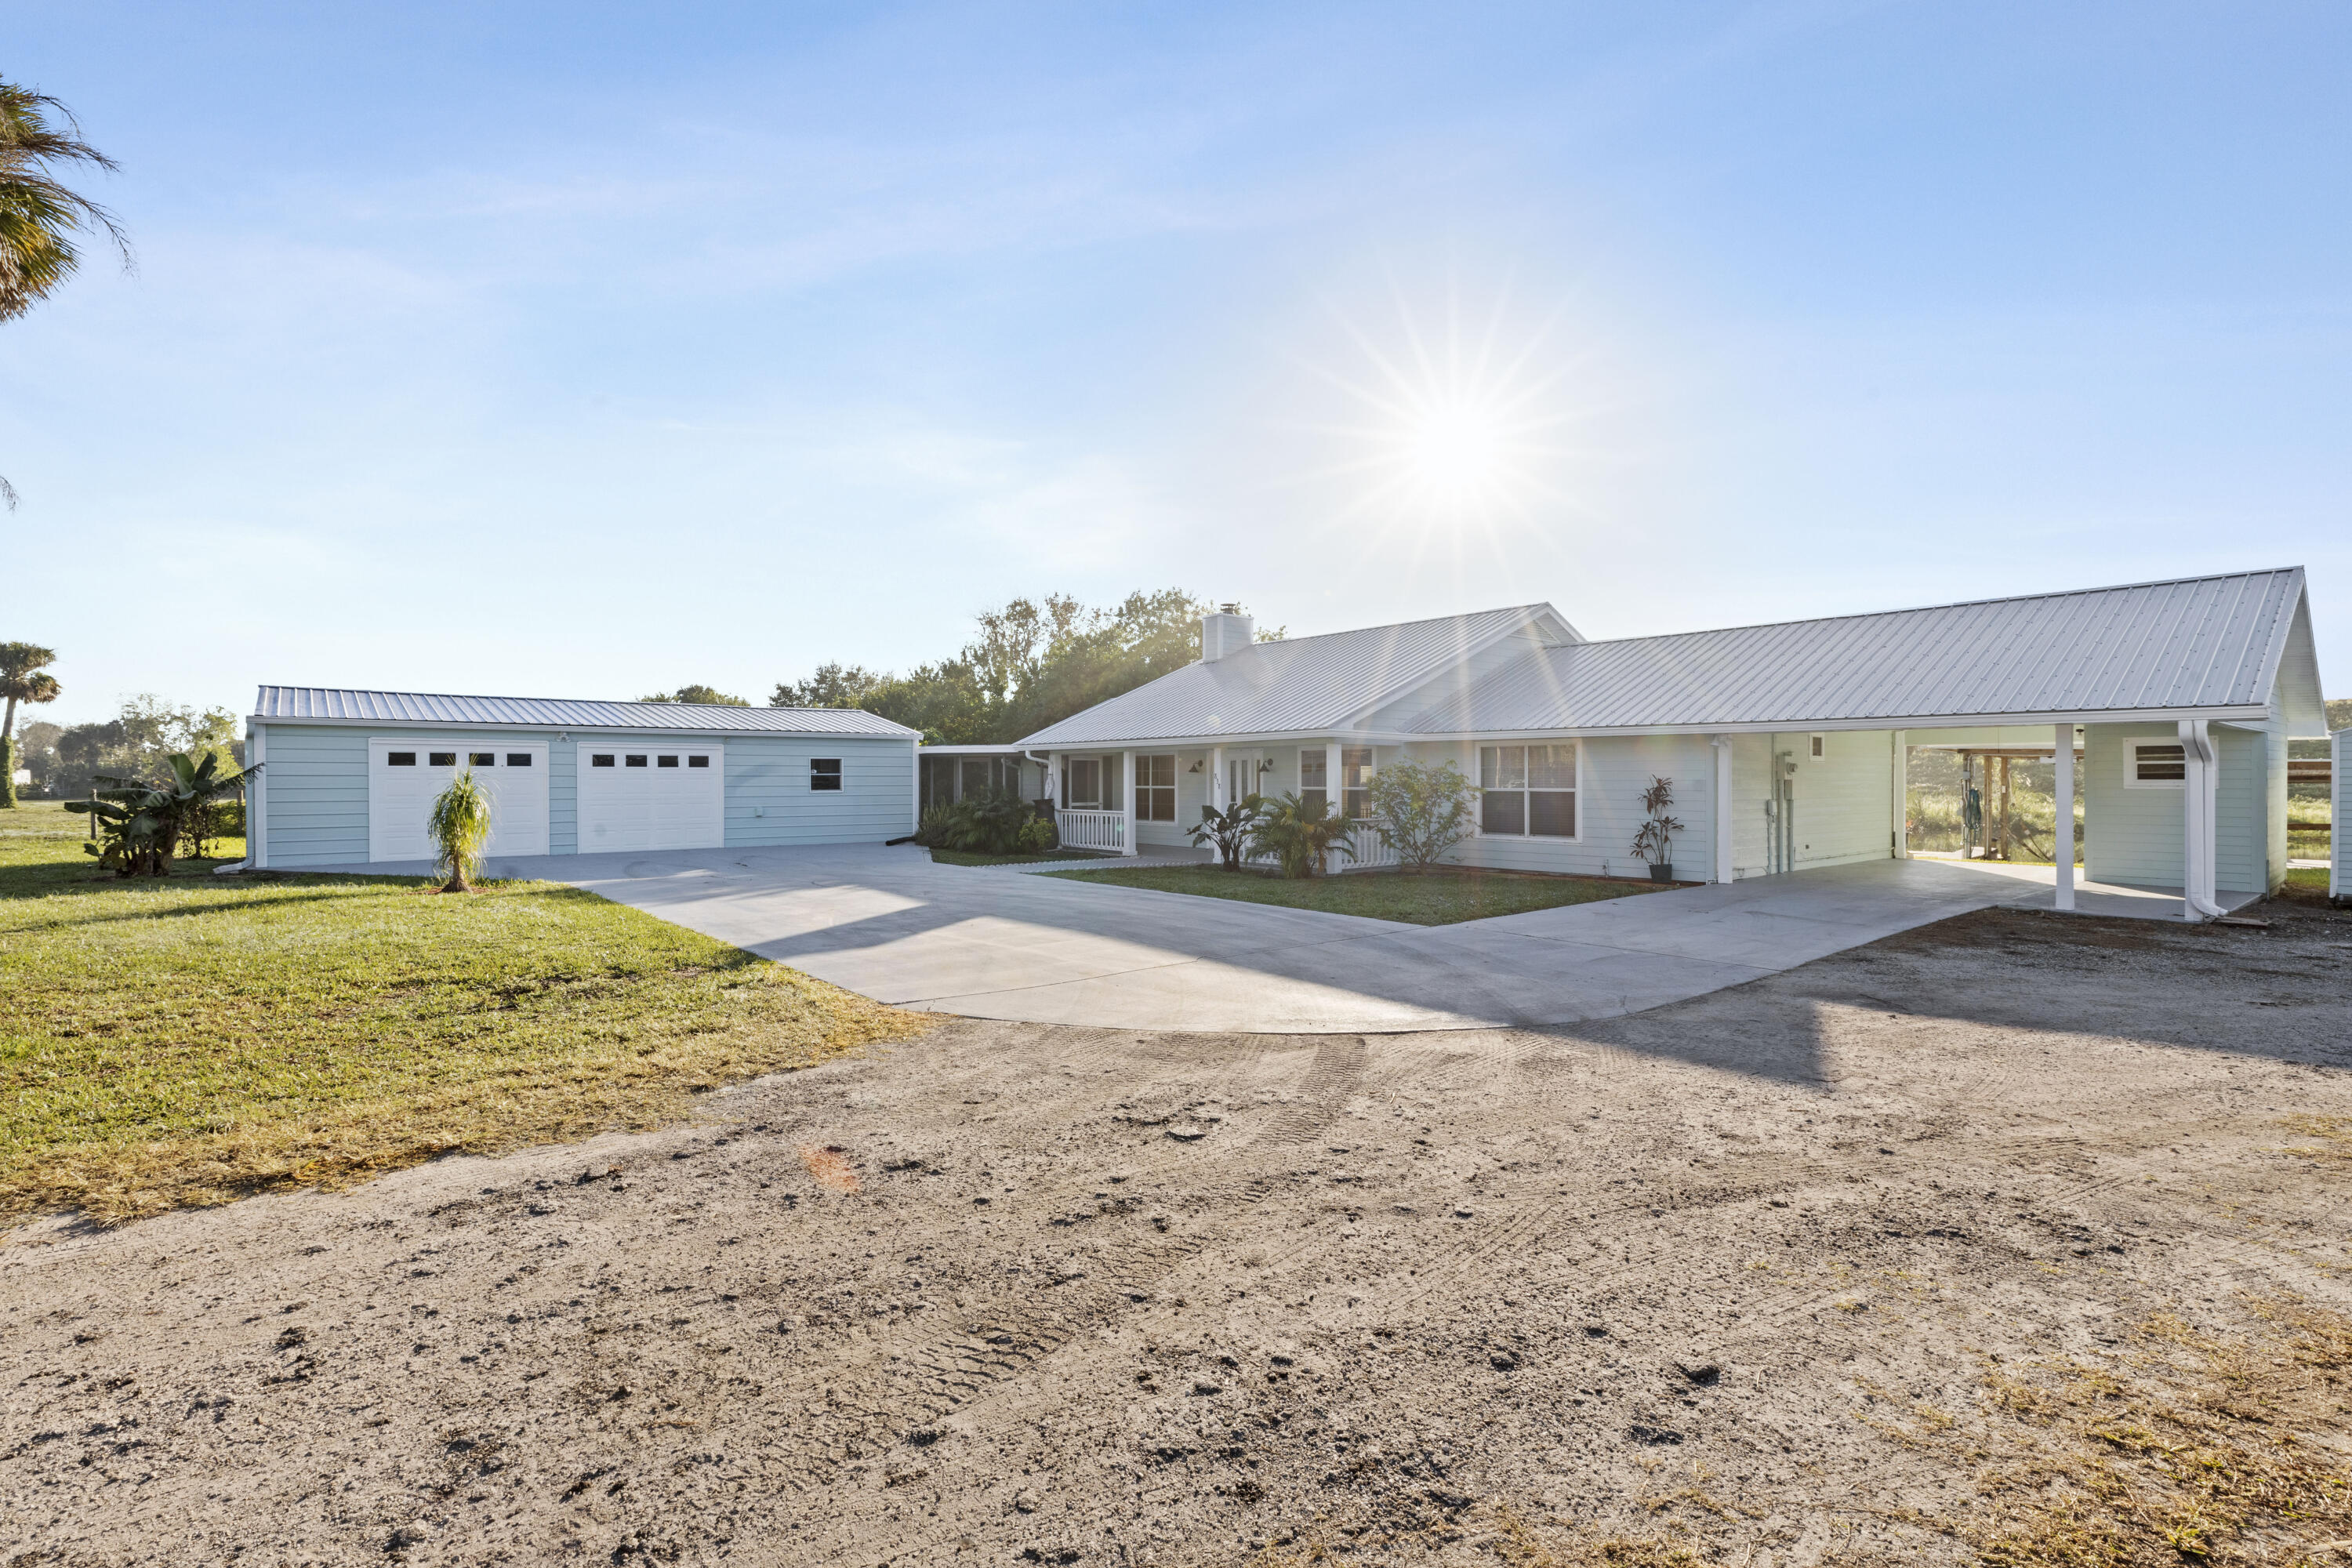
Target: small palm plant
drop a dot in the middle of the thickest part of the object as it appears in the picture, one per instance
(1228, 831)
(1301, 837)
(460, 825)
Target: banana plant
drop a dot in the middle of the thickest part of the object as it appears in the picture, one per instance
(141, 822)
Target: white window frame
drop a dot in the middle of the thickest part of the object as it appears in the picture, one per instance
(1144, 760)
(1817, 747)
(2132, 750)
(1479, 766)
(1069, 785)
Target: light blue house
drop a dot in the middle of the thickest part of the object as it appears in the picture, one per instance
(2165, 707)
(347, 776)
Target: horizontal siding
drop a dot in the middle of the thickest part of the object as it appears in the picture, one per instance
(2133, 836)
(1609, 810)
(768, 801)
(1845, 802)
(317, 802)
(2129, 836)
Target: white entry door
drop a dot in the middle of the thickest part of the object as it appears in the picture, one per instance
(644, 795)
(404, 777)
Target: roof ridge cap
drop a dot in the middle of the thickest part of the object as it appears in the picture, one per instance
(1948, 605)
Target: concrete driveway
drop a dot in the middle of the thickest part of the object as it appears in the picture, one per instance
(890, 924)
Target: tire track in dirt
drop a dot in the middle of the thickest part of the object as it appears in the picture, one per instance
(926, 1378)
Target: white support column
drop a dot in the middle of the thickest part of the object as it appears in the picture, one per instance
(1334, 794)
(2062, 851)
(1217, 777)
(1902, 800)
(915, 753)
(1725, 870)
(1127, 790)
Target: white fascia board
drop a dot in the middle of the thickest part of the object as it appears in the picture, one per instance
(1355, 716)
(910, 736)
(1914, 721)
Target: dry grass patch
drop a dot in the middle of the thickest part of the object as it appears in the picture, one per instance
(197, 1039)
(2186, 1446)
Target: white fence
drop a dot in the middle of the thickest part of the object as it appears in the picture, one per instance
(1093, 830)
(1370, 848)
(1371, 852)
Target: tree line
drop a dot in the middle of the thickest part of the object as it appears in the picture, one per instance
(1031, 663)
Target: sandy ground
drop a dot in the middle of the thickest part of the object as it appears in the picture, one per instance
(1017, 1293)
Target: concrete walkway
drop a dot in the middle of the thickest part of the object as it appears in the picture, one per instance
(890, 924)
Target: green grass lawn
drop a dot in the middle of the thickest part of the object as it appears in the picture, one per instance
(967, 858)
(192, 1039)
(1434, 899)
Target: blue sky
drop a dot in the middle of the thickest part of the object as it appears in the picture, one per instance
(585, 350)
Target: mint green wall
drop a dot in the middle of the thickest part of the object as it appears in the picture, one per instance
(315, 803)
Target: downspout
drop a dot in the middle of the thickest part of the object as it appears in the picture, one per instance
(2197, 813)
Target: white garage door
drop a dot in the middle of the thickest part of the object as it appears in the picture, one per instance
(403, 777)
(638, 795)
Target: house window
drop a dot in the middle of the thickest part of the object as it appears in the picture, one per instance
(825, 773)
(601, 759)
(399, 760)
(2157, 764)
(1820, 749)
(1529, 791)
(1314, 776)
(518, 759)
(482, 759)
(442, 759)
(1155, 788)
(635, 759)
(1082, 783)
(664, 762)
(697, 761)
(1356, 780)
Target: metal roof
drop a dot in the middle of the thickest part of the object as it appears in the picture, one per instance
(1299, 684)
(326, 705)
(2192, 643)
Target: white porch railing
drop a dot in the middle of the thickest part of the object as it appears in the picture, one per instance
(1093, 830)
(1371, 852)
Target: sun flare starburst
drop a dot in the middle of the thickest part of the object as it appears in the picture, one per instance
(1449, 428)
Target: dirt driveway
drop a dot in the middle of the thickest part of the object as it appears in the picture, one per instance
(1753, 1278)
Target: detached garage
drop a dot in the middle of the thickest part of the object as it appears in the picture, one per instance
(349, 776)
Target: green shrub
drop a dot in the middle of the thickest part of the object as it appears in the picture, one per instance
(1420, 811)
(1039, 837)
(991, 822)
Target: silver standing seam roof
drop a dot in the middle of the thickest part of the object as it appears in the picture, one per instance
(338, 705)
(2218, 644)
(1296, 684)
(2157, 648)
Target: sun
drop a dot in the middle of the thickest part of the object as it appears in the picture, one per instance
(1452, 420)
(1456, 451)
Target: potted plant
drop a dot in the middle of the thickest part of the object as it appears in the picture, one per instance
(1656, 841)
